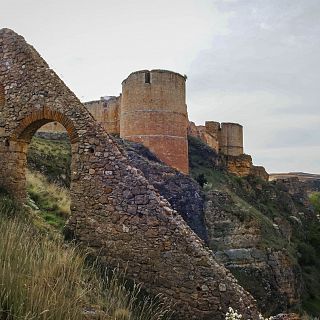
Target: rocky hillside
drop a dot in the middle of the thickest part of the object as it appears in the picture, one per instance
(309, 180)
(266, 233)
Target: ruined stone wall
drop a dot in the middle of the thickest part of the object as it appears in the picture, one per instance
(226, 138)
(209, 133)
(154, 112)
(111, 120)
(107, 112)
(114, 210)
(96, 108)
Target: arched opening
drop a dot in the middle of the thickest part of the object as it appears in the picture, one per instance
(48, 174)
(45, 158)
(2, 96)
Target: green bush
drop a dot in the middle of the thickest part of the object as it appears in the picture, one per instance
(315, 201)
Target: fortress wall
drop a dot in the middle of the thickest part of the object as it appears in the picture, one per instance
(212, 132)
(111, 117)
(212, 128)
(52, 127)
(96, 108)
(209, 133)
(154, 112)
(231, 139)
(106, 112)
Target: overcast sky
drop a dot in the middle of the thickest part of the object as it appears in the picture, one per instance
(255, 62)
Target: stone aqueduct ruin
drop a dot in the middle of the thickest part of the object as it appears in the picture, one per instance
(114, 210)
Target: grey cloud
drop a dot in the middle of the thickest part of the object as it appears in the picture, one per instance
(271, 51)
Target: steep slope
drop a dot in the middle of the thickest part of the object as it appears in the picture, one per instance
(265, 233)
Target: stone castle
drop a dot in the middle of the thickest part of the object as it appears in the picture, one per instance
(152, 110)
(115, 212)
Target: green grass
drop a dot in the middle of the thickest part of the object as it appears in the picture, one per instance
(52, 200)
(52, 158)
(46, 279)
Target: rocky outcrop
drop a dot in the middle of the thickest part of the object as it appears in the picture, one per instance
(241, 238)
(242, 166)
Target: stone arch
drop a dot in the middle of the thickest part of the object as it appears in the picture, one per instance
(16, 145)
(31, 123)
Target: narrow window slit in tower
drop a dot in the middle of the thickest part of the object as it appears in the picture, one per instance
(147, 77)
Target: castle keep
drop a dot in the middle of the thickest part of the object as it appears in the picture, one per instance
(154, 112)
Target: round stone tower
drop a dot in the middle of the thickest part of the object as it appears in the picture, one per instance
(154, 112)
(231, 139)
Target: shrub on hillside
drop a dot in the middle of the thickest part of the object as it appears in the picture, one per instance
(315, 200)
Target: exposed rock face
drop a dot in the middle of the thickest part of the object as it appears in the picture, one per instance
(260, 172)
(115, 211)
(242, 166)
(237, 238)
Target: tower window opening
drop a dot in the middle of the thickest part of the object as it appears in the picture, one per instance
(147, 77)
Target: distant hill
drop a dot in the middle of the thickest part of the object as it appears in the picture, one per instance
(302, 176)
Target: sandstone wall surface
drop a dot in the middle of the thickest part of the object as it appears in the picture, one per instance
(242, 166)
(107, 112)
(231, 139)
(115, 211)
(154, 113)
